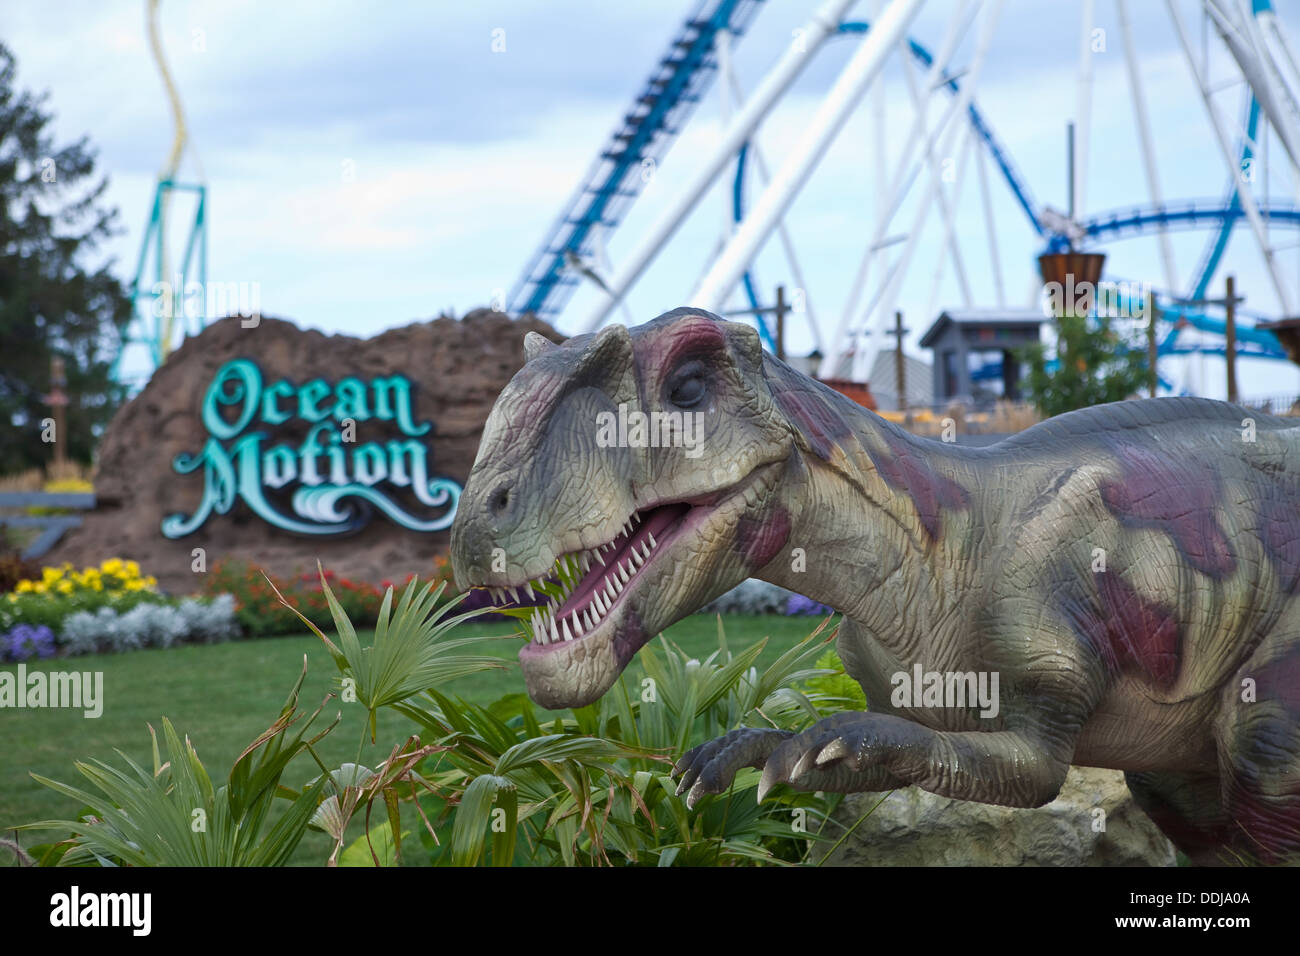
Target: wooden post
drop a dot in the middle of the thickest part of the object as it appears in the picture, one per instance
(1230, 338)
(900, 370)
(1152, 378)
(780, 322)
(58, 401)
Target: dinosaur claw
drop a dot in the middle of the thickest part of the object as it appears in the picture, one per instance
(835, 750)
(803, 765)
(766, 783)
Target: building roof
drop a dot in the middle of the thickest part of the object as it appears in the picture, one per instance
(1014, 318)
(917, 380)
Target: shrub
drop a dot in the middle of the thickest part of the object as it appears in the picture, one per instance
(150, 625)
(797, 604)
(53, 612)
(260, 612)
(114, 576)
(750, 596)
(25, 641)
(14, 569)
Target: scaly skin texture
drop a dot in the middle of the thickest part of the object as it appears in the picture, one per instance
(1131, 574)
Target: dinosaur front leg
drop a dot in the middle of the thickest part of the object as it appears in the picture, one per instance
(710, 767)
(869, 751)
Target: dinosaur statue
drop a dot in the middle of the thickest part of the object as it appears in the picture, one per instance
(1130, 573)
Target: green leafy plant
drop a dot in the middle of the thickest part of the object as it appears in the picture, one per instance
(1094, 364)
(174, 816)
(835, 688)
(592, 785)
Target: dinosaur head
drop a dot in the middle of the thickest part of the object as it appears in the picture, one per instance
(636, 471)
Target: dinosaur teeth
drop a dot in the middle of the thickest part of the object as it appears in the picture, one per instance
(653, 543)
(564, 627)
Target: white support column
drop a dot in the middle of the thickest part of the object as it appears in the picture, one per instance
(1248, 204)
(824, 22)
(787, 244)
(916, 141)
(981, 167)
(1083, 111)
(722, 48)
(1240, 43)
(1143, 122)
(949, 243)
(1273, 25)
(820, 132)
(949, 233)
(889, 295)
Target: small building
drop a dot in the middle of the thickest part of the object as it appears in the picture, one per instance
(973, 353)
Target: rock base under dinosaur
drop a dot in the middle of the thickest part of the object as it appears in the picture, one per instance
(915, 828)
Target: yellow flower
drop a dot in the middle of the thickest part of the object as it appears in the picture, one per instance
(112, 566)
(65, 587)
(24, 587)
(50, 575)
(133, 569)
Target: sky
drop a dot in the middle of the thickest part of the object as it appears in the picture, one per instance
(369, 165)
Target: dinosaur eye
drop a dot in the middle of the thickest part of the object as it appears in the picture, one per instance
(687, 388)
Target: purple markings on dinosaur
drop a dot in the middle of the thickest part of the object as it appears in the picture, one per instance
(903, 470)
(1153, 492)
(819, 423)
(701, 336)
(759, 541)
(1139, 634)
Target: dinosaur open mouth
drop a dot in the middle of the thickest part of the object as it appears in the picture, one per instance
(586, 586)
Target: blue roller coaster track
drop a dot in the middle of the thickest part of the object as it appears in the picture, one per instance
(679, 81)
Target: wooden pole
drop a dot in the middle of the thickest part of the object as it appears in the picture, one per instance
(780, 322)
(1153, 379)
(58, 401)
(900, 370)
(1230, 338)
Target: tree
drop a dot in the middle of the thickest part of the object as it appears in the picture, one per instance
(51, 303)
(1094, 364)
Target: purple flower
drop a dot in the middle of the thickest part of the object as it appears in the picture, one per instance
(798, 604)
(25, 641)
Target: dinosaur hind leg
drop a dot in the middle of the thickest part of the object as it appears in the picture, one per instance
(1258, 735)
(1188, 808)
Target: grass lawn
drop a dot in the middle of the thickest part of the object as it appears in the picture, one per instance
(222, 696)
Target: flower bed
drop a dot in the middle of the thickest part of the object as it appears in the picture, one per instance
(112, 607)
